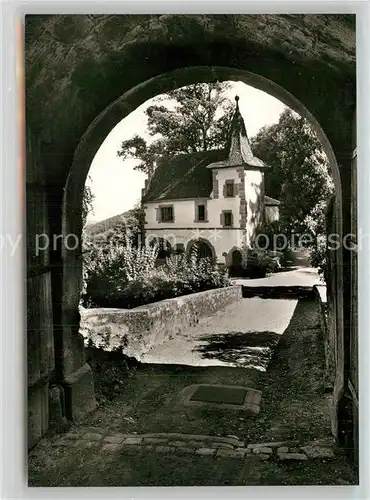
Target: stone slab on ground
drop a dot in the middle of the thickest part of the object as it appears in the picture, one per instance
(292, 456)
(249, 402)
(318, 452)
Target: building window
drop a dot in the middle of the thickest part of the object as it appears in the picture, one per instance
(229, 189)
(166, 214)
(201, 213)
(227, 219)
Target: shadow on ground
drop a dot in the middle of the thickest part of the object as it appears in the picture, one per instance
(278, 292)
(244, 349)
(294, 407)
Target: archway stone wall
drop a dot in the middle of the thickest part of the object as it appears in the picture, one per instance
(77, 70)
(201, 241)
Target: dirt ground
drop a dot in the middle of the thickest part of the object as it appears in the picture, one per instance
(294, 407)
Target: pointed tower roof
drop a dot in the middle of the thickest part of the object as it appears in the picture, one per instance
(239, 149)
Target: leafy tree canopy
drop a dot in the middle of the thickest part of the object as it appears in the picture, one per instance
(299, 171)
(186, 120)
(87, 203)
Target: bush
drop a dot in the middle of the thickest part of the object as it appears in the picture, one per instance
(109, 268)
(126, 277)
(262, 262)
(319, 257)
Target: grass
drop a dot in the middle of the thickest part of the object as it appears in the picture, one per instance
(294, 407)
(294, 404)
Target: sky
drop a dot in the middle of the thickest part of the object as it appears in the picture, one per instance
(117, 186)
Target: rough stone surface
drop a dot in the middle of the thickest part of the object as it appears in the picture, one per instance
(262, 449)
(265, 450)
(184, 449)
(155, 440)
(114, 439)
(318, 452)
(217, 444)
(292, 456)
(87, 444)
(267, 445)
(283, 449)
(232, 441)
(325, 442)
(74, 435)
(163, 449)
(75, 66)
(93, 436)
(62, 442)
(205, 451)
(177, 443)
(79, 390)
(238, 453)
(64, 48)
(111, 447)
(136, 331)
(133, 440)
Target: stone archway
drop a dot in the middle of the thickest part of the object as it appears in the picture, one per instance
(115, 112)
(274, 53)
(177, 78)
(234, 261)
(236, 258)
(164, 248)
(205, 248)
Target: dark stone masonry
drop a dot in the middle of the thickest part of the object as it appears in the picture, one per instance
(84, 74)
(230, 447)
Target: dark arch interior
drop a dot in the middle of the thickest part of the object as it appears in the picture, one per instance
(86, 73)
(164, 247)
(204, 249)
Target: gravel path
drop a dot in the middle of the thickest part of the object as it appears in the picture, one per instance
(241, 334)
(302, 276)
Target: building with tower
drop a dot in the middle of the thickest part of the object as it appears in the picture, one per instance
(214, 198)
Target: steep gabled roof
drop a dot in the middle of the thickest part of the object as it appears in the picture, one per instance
(239, 149)
(190, 175)
(183, 176)
(271, 201)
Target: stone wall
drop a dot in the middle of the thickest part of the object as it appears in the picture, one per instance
(222, 240)
(329, 374)
(75, 67)
(137, 330)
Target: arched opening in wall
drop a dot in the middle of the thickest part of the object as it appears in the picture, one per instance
(166, 218)
(96, 133)
(208, 74)
(164, 249)
(236, 266)
(203, 248)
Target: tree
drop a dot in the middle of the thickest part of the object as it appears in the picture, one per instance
(299, 172)
(87, 203)
(299, 176)
(189, 119)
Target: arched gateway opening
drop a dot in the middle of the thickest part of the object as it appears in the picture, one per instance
(203, 247)
(322, 93)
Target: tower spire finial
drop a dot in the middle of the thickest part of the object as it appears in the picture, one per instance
(236, 100)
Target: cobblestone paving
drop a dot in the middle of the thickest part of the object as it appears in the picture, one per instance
(103, 441)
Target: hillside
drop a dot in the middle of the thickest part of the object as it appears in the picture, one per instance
(107, 226)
